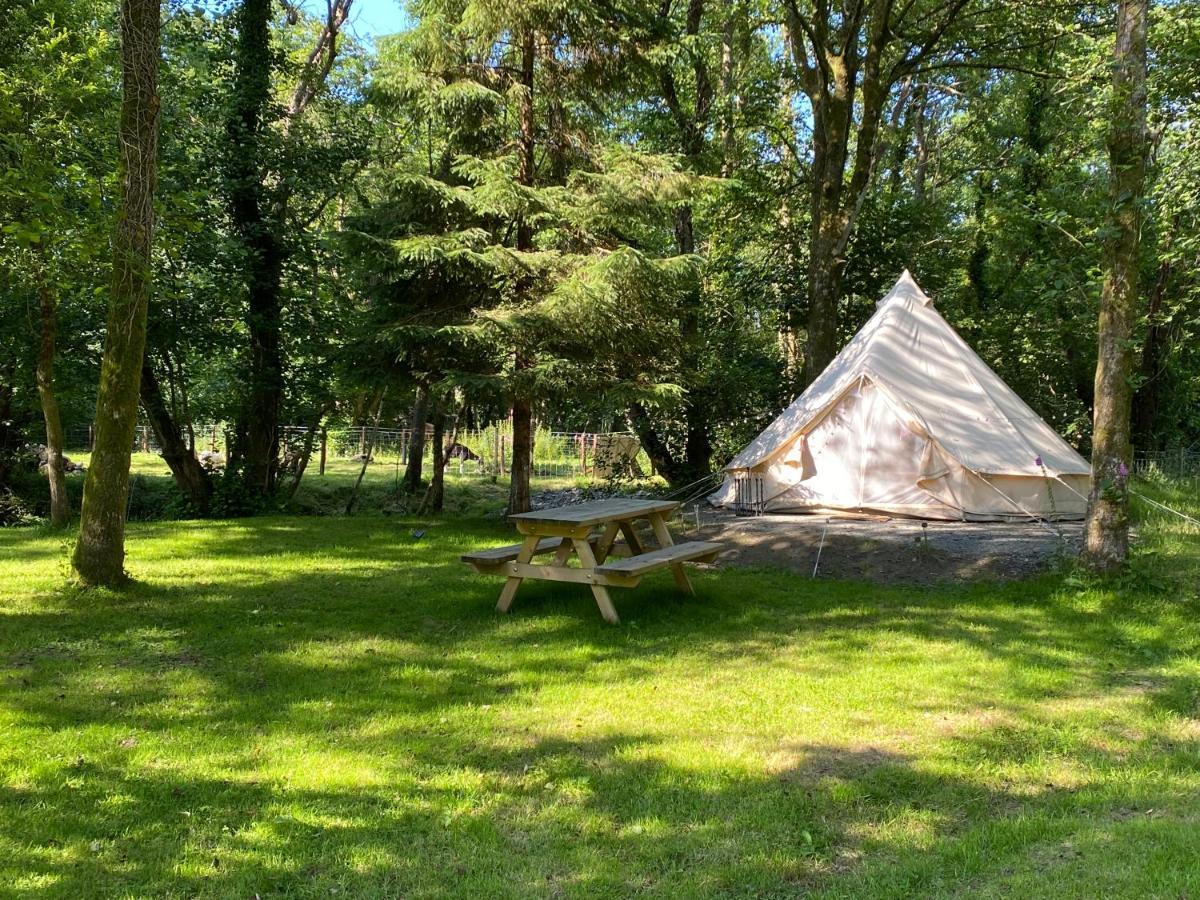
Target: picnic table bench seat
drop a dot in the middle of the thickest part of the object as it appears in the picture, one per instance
(508, 553)
(652, 560)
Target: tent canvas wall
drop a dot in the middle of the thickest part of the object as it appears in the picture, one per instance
(908, 420)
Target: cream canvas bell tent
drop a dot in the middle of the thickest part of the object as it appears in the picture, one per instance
(908, 420)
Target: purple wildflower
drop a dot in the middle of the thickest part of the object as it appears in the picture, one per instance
(1037, 461)
(1122, 470)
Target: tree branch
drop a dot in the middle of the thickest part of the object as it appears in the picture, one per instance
(320, 59)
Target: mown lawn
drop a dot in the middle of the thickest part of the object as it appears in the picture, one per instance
(330, 706)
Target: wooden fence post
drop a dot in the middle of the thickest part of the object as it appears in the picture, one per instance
(324, 443)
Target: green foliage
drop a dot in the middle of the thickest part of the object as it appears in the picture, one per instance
(667, 212)
(13, 510)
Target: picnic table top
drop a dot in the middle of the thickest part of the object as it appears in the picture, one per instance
(597, 512)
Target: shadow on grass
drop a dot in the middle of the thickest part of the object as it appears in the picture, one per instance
(602, 817)
(236, 626)
(399, 625)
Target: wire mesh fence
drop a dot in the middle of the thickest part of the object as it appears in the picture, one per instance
(1167, 463)
(485, 452)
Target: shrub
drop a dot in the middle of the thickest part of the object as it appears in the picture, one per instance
(13, 510)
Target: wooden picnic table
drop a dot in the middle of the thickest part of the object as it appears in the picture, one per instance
(572, 530)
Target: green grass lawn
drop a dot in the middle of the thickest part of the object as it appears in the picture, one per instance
(302, 706)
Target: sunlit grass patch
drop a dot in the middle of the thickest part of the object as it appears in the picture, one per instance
(298, 706)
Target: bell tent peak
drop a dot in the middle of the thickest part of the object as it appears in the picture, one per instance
(906, 287)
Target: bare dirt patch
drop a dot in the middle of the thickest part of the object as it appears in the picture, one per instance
(905, 551)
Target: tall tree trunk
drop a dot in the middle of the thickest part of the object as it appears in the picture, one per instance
(189, 475)
(842, 71)
(1107, 542)
(791, 335)
(522, 456)
(904, 114)
(728, 89)
(257, 229)
(825, 267)
(698, 442)
(695, 457)
(416, 444)
(924, 135)
(522, 408)
(99, 556)
(60, 503)
(435, 495)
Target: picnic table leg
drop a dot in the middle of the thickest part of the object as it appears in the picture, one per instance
(524, 555)
(604, 545)
(631, 538)
(599, 591)
(663, 534)
(563, 553)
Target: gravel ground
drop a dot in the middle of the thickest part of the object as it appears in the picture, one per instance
(885, 550)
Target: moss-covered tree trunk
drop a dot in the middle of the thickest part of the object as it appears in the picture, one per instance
(99, 556)
(1107, 539)
(60, 504)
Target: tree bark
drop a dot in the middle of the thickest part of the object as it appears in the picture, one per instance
(189, 475)
(1107, 537)
(522, 408)
(697, 450)
(435, 494)
(661, 458)
(728, 89)
(793, 314)
(259, 233)
(841, 71)
(99, 556)
(693, 459)
(522, 456)
(60, 503)
(416, 445)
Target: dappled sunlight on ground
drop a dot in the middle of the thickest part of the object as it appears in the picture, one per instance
(297, 706)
